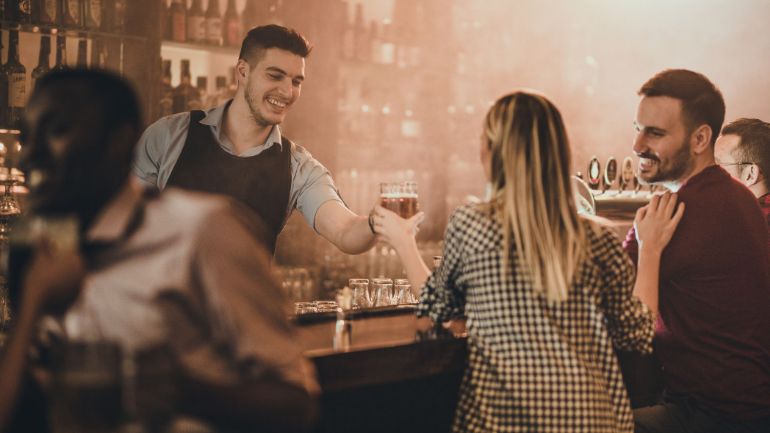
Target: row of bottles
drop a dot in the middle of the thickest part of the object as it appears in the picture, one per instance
(201, 26)
(97, 15)
(14, 87)
(385, 42)
(186, 96)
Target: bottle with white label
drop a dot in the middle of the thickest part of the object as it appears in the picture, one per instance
(15, 74)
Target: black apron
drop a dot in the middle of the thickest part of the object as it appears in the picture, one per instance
(263, 182)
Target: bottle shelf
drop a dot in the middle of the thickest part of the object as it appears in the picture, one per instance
(53, 29)
(201, 47)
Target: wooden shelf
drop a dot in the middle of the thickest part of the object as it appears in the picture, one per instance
(201, 48)
(53, 30)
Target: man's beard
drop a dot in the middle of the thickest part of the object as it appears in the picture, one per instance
(254, 108)
(677, 166)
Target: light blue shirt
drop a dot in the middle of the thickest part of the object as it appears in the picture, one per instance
(162, 143)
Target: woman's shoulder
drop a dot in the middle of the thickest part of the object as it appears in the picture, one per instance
(473, 214)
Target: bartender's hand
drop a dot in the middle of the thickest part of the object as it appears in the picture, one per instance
(655, 223)
(54, 278)
(396, 231)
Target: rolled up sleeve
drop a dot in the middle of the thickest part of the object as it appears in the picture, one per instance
(312, 185)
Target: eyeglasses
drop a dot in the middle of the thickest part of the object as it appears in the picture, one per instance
(727, 164)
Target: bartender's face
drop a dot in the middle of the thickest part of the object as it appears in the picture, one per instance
(273, 85)
(662, 141)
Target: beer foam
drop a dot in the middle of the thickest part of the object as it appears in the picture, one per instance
(399, 195)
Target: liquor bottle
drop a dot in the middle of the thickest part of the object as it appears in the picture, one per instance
(232, 86)
(98, 54)
(360, 37)
(348, 35)
(201, 94)
(114, 18)
(93, 14)
(387, 54)
(3, 87)
(16, 76)
(47, 12)
(254, 14)
(178, 21)
(232, 25)
(82, 53)
(165, 20)
(196, 24)
(72, 14)
(184, 92)
(166, 91)
(374, 42)
(43, 62)
(21, 11)
(220, 96)
(214, 23)
(61, 53)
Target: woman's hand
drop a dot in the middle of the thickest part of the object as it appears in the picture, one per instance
(655, 223)
(394, 230)
(54, 278)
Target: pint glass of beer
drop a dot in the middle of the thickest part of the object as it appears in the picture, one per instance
(399, 197)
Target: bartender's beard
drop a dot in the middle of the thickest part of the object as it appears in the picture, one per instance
(256, 114)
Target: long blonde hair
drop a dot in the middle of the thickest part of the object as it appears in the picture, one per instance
(532, 191)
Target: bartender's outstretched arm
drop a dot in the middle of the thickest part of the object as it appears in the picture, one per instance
(346, 230)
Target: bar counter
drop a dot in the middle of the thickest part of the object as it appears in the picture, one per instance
(385, 373)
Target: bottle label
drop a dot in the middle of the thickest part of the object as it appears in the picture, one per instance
(50, 10)
(96, 12)
(387, 53)
(214, 29)
(119, 16)
(17, 90)
(233, 33)
(178, 27)
(196, 28)
(74, 7)
(25, 7)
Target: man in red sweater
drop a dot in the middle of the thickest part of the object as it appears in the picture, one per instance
(713, 327)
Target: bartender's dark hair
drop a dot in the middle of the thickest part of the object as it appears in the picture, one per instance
(272, 36)
(702, 102)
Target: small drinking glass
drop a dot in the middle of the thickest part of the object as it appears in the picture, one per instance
(403, 290)
(383, 292)
(360, 288)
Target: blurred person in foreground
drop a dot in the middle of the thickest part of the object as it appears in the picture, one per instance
(175, 269)
(712, 336)
(743, 150)
(238, 148)
(547, 294)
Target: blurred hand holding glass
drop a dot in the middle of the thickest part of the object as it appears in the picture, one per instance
(87, 388)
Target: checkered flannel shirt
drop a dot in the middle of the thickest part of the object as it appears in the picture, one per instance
(537, 366)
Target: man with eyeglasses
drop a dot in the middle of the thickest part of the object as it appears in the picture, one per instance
(743, 150)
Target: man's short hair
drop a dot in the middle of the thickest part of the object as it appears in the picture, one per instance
(754, 146)
(272, 36)
(110, 98)
(702, 102)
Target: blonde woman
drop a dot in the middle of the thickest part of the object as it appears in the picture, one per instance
(547, 294)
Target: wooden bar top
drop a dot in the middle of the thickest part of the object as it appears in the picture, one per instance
(380, 350)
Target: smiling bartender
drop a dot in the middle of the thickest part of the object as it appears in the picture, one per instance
(237, 148)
